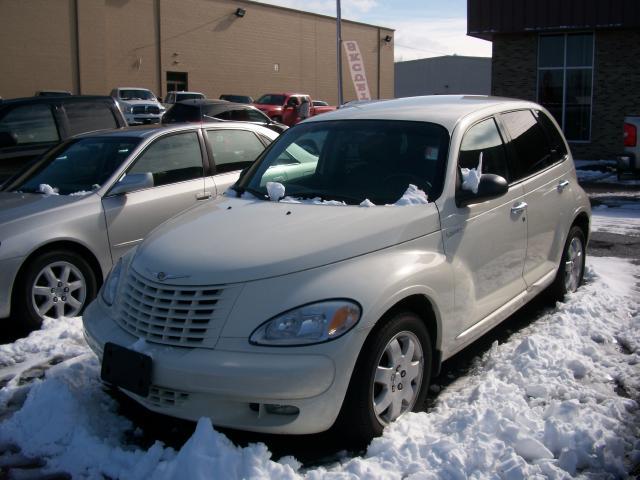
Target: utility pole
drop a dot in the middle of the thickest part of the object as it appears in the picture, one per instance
(339, 50)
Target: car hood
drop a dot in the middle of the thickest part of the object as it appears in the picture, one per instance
(17, 206)
(235, 240)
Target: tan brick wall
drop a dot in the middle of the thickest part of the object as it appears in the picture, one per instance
(36, 46)
(118, 46)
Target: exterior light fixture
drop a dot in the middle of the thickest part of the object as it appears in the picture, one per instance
(240, 12)
(388, 39)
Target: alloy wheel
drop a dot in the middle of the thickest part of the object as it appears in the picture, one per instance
(59, 290)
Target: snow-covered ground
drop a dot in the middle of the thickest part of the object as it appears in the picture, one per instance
(601, 171)
(558, 399)
(621, 217)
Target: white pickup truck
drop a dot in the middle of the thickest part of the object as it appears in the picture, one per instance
(629, 160)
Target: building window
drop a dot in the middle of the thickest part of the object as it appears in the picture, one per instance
(177, 82)
(565, 81)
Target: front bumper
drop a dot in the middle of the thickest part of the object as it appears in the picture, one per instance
(9, 268)
(144, 119)
(235, 383)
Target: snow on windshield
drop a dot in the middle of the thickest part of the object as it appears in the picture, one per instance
(557, 399)
(47, 189)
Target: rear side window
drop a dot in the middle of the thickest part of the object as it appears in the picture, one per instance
(529, 143)
(233, 149)
(87, 117)
(180, 113)
(30, 124)
(484, 138)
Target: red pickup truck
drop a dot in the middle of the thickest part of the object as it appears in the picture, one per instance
(283, 107)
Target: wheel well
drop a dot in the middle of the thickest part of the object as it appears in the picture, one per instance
(62, 245)
(421, 306)
(582, 221)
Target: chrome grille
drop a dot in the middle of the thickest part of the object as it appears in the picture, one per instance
(138, 109)
(174, 314)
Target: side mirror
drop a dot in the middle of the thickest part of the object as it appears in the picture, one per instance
(490, 186)
(132, 182)
(7, 139)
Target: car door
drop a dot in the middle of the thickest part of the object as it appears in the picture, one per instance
(29, 130)
(176, 163)
(232, 150)
(485, 241)
(538, 150)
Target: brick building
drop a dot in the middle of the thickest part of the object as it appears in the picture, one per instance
(578, 58)
(92, 46)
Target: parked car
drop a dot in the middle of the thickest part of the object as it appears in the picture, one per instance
(139, 105)
(30, 126)
(175, 97)
(283, 107)
(64, 221)
(629, 161)
(333, 293)
(236, 98)
(219, 110)
(320, 103)
(53, 93)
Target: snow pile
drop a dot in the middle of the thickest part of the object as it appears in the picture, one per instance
(367, 203)
(313, 201)
(471, 177)
(47, 189)
(275, 191)
(81, 193)
(558, 399)
(412, 196)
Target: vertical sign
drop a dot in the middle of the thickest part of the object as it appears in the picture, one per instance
(356, 66)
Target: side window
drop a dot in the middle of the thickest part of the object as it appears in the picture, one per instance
(255, 116)
(239, 116)
(172, 159)
(558, 147)
(30, 124)
(233, 149)
(529, 142)
(484, 138)
(224, 115)
(86, 117)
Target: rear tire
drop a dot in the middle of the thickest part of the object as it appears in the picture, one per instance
(54, 285)
(391, 377)
(571, 270)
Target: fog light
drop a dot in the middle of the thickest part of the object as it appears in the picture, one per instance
(277, 409)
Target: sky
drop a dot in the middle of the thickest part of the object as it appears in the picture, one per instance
(424, 28)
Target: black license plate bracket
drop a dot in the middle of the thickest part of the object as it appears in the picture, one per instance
(126, 368)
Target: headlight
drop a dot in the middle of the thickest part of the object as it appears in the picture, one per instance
(110, 286)
(128, 109)
(313, 323)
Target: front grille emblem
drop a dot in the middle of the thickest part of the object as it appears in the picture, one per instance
(162, 276)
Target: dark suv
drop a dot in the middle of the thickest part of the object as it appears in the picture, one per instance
(189, 111)
(30, 126)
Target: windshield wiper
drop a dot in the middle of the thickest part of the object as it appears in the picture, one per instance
(253, 191)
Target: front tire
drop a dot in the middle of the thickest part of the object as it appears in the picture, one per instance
(391, 377)
(55, 284)
(571, 271)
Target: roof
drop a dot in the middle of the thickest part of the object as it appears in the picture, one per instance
(146, 131)
(65, 98)
(445, 110)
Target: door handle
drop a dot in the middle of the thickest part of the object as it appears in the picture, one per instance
(519, 207)
(562, 185)
(203, 196)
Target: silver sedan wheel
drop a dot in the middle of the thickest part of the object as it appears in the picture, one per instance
(573, 265)
(398, 377)
(59, 290)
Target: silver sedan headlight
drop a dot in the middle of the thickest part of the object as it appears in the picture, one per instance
(313, 323)
(110, 287)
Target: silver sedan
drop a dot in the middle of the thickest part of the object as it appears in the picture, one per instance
(70, 216)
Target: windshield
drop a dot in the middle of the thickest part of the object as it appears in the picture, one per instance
(181, 113)
(353, 160)
(270, 99)
(189, 96)
(136, 95)
(78, 167)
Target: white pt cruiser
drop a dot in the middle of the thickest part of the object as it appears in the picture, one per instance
(361, 250)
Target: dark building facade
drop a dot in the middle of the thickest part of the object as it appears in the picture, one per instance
(578, 58)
